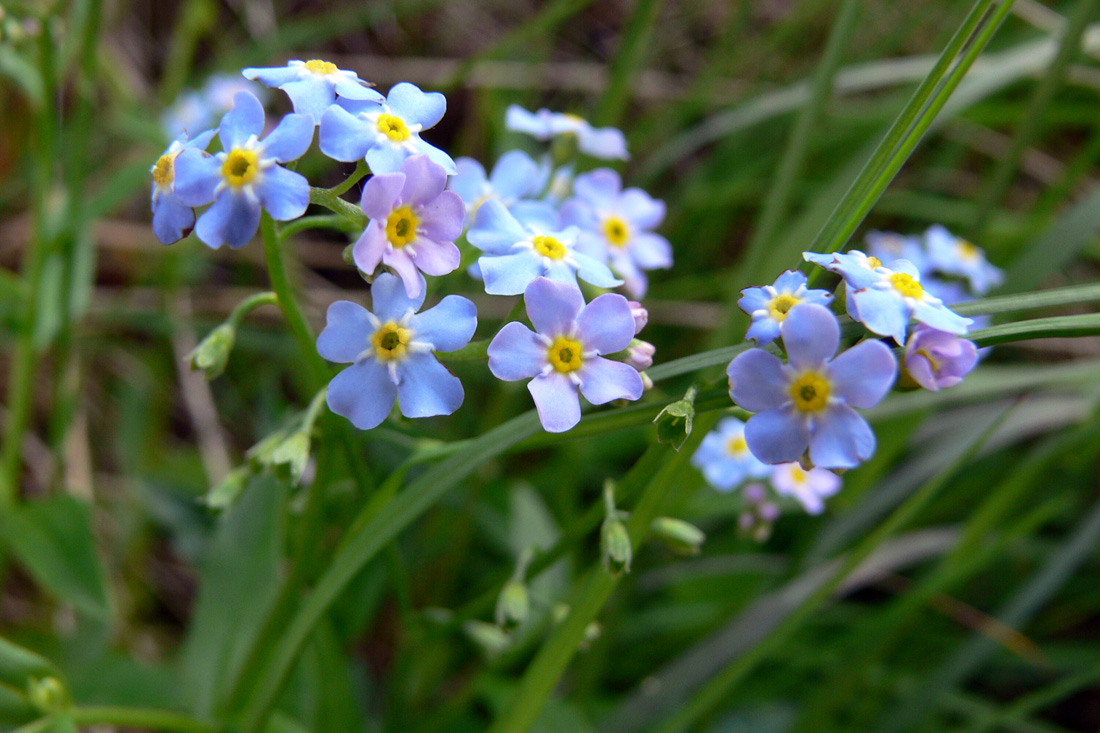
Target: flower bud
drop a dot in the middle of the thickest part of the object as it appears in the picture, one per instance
(641, 316)
(47, 695)
(674, 422)
(615, 548)
(226, 493)
(640, 354)
(212, 353)
(492, 640)
(679, 535)
(647, 383)
(513, 605)
(935, 359)
(293, 454)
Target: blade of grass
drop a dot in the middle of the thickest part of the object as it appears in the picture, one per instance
(634, 48)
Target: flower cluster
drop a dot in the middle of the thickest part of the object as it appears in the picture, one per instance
(533, 225)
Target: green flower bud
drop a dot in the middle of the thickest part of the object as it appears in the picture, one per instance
(492, 640)
(47, 695)
(615, 547)
(682, 537)
(226, 493)
(513, 605)
(675, 421)
(212, 354)
(293, 454)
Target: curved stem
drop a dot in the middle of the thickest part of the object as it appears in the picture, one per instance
(357, 175)
(319, 221)
(331, 201)
(250, 304)
(161, 720)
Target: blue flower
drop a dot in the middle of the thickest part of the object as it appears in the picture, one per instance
(385, 133)
(809, 488)
(563, 354)
(413, 223)
(515, 176)
(886, 305)
(603, 142)
(525, 244)
(936, 360)
(770, 304)
(313, 85)
(955, 256)
(617, 225)
(245, 177)
(201, 109)
(172, 219)
(808, 402)
(857, 268)
(390, 352)
(888, 246)
(724, 458)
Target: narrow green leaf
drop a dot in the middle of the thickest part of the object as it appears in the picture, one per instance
(1051, 252)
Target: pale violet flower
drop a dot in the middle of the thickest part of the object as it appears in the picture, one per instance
(390, 351)
(810, 488)
(724, 458)
(768, 306)
(935, 360)
(953, 255)
(603, 142)
(807, 403)
(515, 176)
(889, 246)
(313, 85)
(172, 219)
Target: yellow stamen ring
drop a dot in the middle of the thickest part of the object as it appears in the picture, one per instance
(906, 285)
(401, 226)
(780, 305)
(393, 127)
(390, 342)
(164, 172)
(317, 66)
(240, 167)
(564, 355)
(549, 247)
(810, 392)
(616, 231)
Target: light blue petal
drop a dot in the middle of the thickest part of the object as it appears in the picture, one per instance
(389, 301)
(600, 188)
(343, 136)
(863, 374)
(603, 380)
(310, 96)
(595, 272)
(539, 214)
(244, 120)
(606, 324)
(197, 176)
(758, 381)
(810, 334)
(171, 218)
(232, 220)
(274, 76)
(424, 181)
(447, 326)
(515, 175)
(763, 330)
(841, 438)
(789, 281)
(821, 260)
(641, 209)
(651, 251)
(416, 107)
(291, 139)
(426, 388)
(552, 307)
(603, 142)
(201, 141)
(754, 299)
(579, 213)
(777, 436)
(520, 120)
(386, 158)
(346, 334)
(363, 393)
(439, 157)
(509, 274)
(557, 402)
(355, 88)
(495, 230)
(940, 318)
(285, 194)
(516, 353)
(468, 181)
(882, 311)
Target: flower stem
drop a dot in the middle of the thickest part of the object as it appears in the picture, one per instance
(331, 201)
(123, 717)
(250, 304)
(357, 175)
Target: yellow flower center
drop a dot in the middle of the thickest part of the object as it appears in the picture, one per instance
(810, 392)
(565, 355)
(932, 361)
(616, 231)
(967, 250)
(164, 172)
(393, 127)
(736, 446)
(797, 474)
(906, 285)
(401, 226)
(874, 262)
(317, 66)
(390, 342)
(240, 167)
(780, 305)
(549, 247)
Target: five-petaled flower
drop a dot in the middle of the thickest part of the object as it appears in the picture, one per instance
(245, 177)
(390, 351)
(563, 354)
(413, 223)
(808, 402)
(809, 488)
(313, 85)
(384, 133)
(956, 256)
(515, 176)
(724, 457)
(935, 360)
(770, 304)
(601, 142)
(172, 218)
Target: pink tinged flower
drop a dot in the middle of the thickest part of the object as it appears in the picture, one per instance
(809, 488)
(935, 359)
(640, 354)
(641, 316)
(413, 223)
(563, 354)
(807, 403)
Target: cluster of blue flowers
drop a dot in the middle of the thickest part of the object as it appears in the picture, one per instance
(536, 227)
(805, 419)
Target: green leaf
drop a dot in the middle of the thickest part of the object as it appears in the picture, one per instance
(1057, 246)
(53, 540)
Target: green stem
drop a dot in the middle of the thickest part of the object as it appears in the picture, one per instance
(319, 221)
(250, 304)
(331, 201)
(360, 172)
(629, 61)
(122, 717)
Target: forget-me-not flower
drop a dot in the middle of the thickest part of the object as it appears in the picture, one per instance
(808, 402)
(313, 85)
(955, 256)
(384, 133)
(563, 353)
(889, 246)
(602, 142)
(526, 243)
(935, 360)
(809, 488)
(413, 223)
(770, 304)
(171, 217)
(390, 351)
(724, 458)
(617, 225)
(245, 177)
(202, 108)
(515, 176)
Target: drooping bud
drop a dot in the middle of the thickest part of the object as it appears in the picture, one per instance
(513, 605)
(492, 640)
(640, 354)
(212, 354)
(679, 535)
(615, 548)
(293, 454)
(226, 493)
(641, 316)
(675, 421)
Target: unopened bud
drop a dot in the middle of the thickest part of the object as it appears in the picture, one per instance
(641, 316)
(292, 454)
(647, 383)
(640, 354)
(679, 535)
(615, 546)
(212, 353)
(513, 605)
(489, 637)
(47, 695)
(226, 493)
